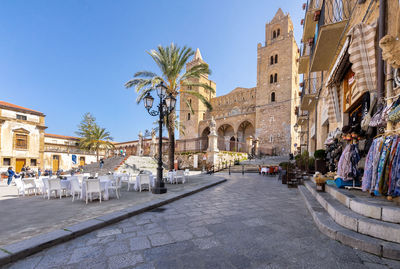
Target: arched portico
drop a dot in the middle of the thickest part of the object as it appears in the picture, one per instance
(225, 133)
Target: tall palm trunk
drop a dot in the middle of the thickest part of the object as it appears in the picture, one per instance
(171, 140)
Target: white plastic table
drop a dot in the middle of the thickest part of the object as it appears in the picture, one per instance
(104, 184)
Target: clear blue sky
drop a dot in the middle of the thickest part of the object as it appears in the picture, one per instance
(65, 58)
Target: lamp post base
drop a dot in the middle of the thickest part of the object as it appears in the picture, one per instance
(159, 190)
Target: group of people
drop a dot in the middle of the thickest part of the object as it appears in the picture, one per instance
(28, 172)
(121, 152)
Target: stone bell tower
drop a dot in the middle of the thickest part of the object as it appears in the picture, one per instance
(189, 122)
(277, 85)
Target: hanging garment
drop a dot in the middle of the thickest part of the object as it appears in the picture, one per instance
(375, 160)
(344, 163)
(382, 160)
(384, 189)
(354, 159)
(386, 167)
(395, 172)
(367, 177)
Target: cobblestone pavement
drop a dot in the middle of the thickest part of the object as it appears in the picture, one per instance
(250, 221)
(34, 215)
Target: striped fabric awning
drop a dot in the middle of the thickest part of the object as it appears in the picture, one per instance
(363, 57)
(333, 105)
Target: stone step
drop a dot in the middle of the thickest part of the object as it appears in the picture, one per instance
(381, 210)
(349, 219)
(329, 227)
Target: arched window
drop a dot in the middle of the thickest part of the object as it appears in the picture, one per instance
(274, 35)
(188, 117)
(271, 79)
(273, 97)
(278, 32)
(276, 58)
(275, 78)
(272, 60)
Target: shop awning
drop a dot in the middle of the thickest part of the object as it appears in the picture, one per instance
(362, 56)
(337, 69)
(334, 105)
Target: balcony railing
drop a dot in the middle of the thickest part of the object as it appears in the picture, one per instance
(309, 92)
(334, 11)
(61, 149)
(332, 21)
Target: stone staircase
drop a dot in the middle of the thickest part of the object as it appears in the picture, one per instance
(110, 165)
(134, 164)
(368, 224)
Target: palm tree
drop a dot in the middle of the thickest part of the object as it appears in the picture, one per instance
(96, 139)
(172, 60)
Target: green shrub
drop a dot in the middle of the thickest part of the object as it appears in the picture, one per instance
(319, 154)
(311, 163)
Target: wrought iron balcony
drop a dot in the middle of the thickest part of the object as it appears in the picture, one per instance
(304, 61)
(309, 92)
(313, 11)
(66, 149)
(332, 21)
(302, 117)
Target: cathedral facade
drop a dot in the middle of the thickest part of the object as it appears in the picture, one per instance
(263, 115)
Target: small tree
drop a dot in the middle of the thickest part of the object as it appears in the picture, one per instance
(92, 136)
(86, 125)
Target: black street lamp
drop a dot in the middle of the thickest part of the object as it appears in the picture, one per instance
(166, 106)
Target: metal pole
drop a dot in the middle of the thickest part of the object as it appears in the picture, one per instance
(160, 188)
(381, 33)
(242, 169)
(229, 169)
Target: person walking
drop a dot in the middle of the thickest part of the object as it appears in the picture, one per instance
(101, 163)
(10, 173)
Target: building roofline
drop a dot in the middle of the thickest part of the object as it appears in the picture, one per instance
(62, 136)
(14, 107)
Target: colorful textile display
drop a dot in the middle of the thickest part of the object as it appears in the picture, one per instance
(382, 167)
(347, 166)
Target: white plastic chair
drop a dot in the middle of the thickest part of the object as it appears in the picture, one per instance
(75, 188)
(180, 174)
(131, 181)
(20, 186)
(92, 186)
(116, 186)
(45, 188)
(144, 180)
(171, 177)
(54, 185)
(187, 173)
(29, 185)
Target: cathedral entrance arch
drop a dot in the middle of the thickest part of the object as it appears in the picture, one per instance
(204, 139)
(245, 130)
(225, 133)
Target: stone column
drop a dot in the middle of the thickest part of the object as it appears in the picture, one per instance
(212, 151)
(257, 147)
(227, 140)
(249, 144)
(139, 151)
(153, 145)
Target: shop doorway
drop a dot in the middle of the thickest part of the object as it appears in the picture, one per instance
(19, 164)
(56, 162)
(82, 161)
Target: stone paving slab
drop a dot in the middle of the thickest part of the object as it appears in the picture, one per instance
(23, 248)
(248, 222)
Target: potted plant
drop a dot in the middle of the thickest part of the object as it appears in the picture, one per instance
(320, 162)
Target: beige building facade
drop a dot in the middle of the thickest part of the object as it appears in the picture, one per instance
(259, 118)
(333, 86)
(23, 142)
